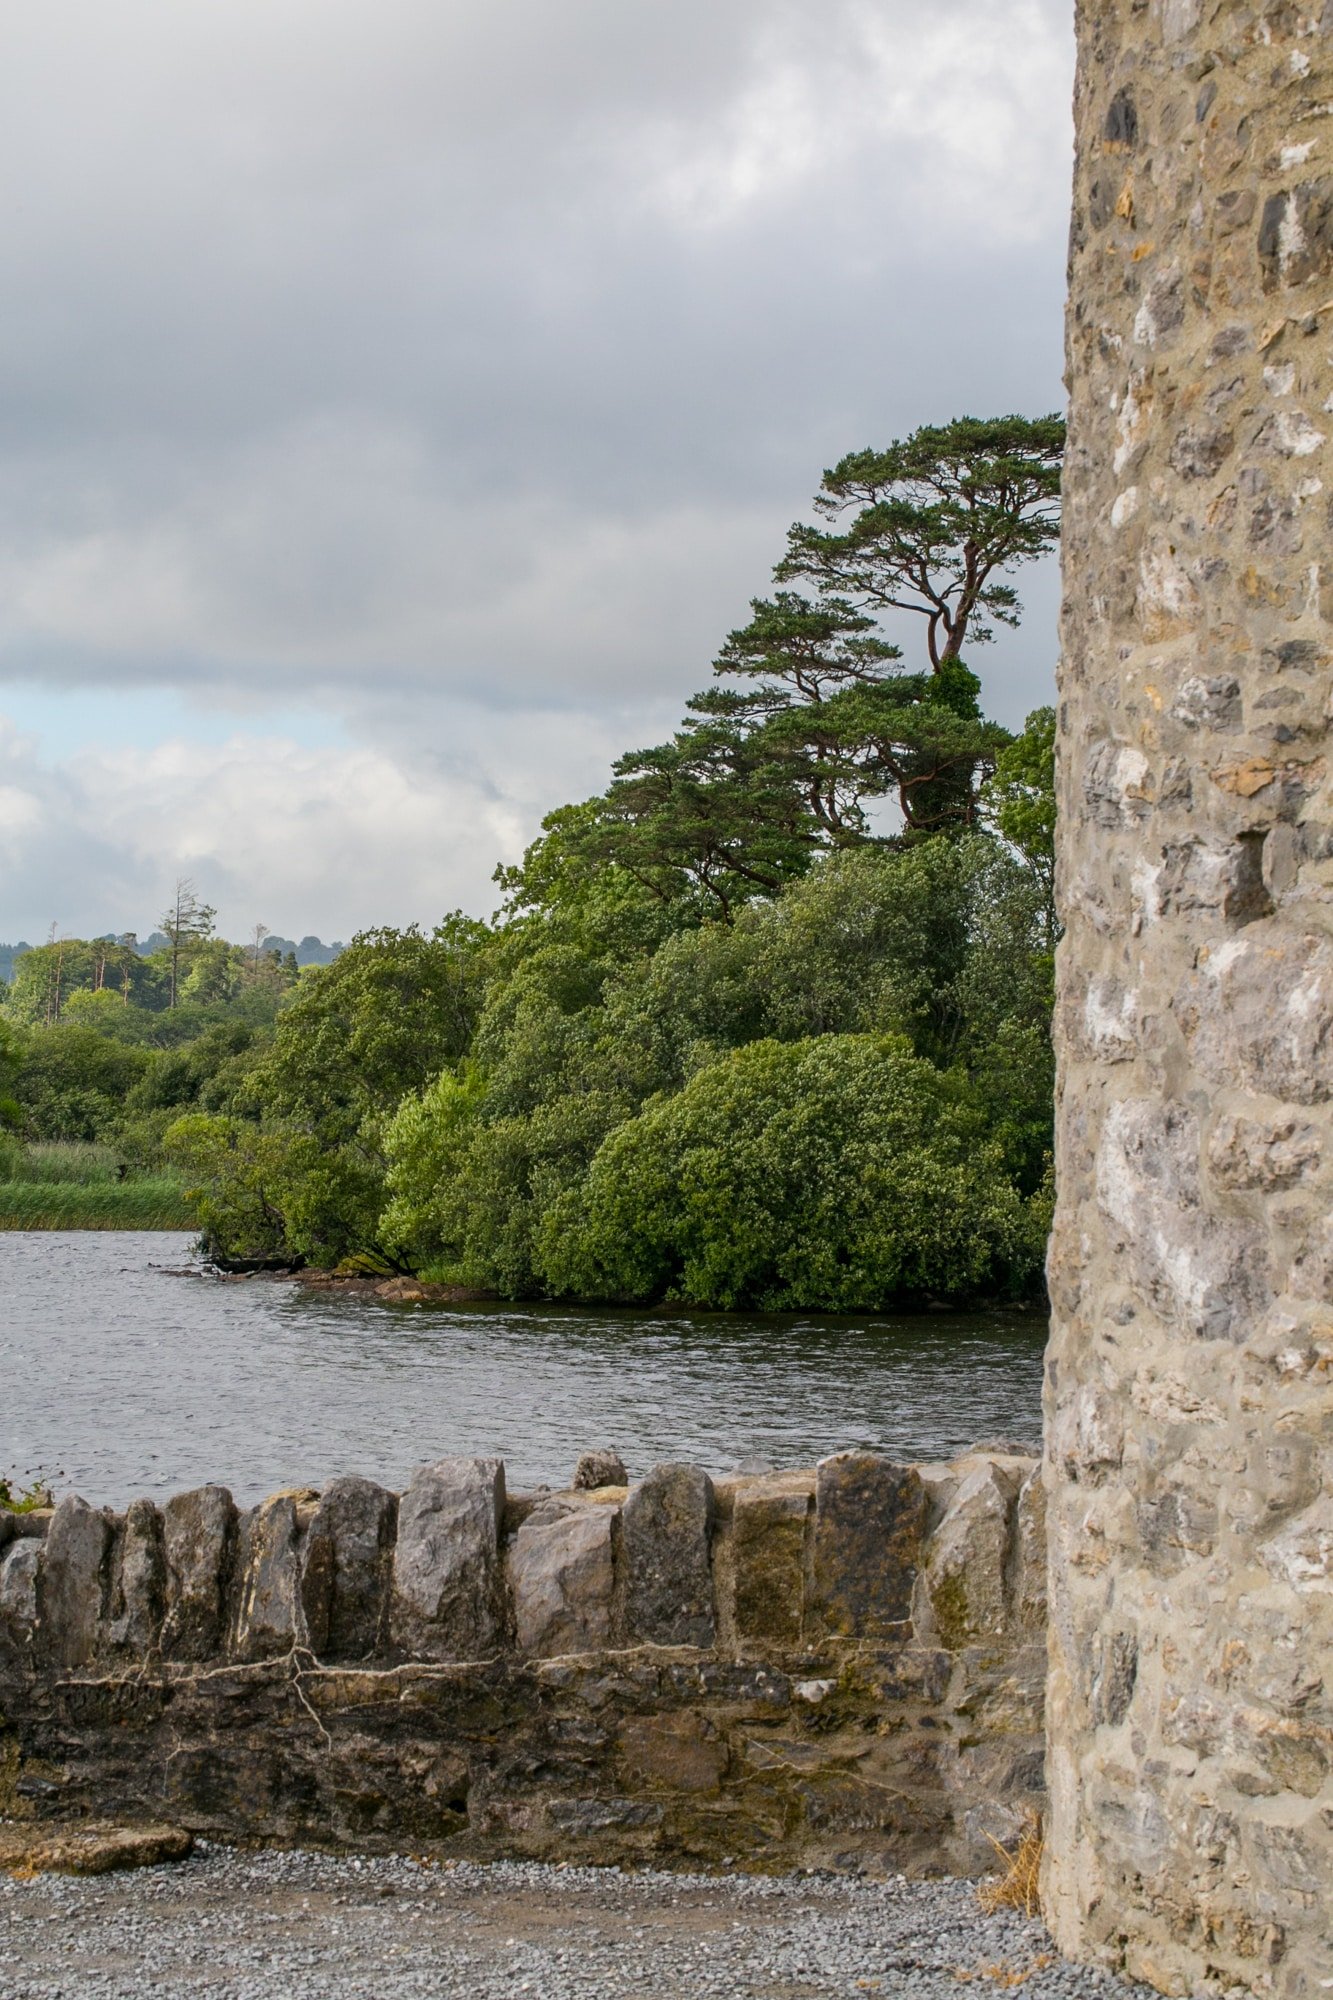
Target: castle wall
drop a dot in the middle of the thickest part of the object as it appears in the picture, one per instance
(840, 1668)
(1189, 1414)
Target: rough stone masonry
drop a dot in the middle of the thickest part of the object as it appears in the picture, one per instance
(842, 1667)
(1189, 1450)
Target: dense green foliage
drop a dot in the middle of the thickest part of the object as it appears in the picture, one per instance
(764, 1025)
(96, 1062)
(502, 1166)
(832, 1172)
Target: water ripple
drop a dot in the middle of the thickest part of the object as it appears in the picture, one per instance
(122, 1377)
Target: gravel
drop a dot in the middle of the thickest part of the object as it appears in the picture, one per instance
(233, 1925)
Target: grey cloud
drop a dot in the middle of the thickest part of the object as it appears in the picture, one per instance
(417, 352)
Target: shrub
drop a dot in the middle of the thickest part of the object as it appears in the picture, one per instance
(839, 1173)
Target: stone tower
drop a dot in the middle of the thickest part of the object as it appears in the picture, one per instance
(1190, 1380)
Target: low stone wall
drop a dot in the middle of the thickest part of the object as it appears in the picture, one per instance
(839, 1668)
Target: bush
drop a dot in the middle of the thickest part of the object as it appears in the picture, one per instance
(840, 1173)
(269, 1195)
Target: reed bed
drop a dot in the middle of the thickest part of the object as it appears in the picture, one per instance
(63, 1161)
(157, 1203)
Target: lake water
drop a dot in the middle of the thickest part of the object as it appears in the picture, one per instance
(120, 1375)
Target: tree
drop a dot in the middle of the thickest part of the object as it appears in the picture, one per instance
(712, 813)
(936, 522)
(73, 1082)
(11, 1111)
(759, 779)
(187, 923)
(560, 876)
(390, 1011)
(237, 1182)
(800, 657)
(45, 977)
(931, 941)
(254, 949)
(1020, 803)
(918, 738)
(127, 946)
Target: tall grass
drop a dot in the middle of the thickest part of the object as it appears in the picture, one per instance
(69, 1162)
(157, 1203)
(69, 1184)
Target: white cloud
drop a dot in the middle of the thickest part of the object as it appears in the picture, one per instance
(329, 839)
(963, 100)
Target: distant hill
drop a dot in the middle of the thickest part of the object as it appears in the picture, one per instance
(310, 950)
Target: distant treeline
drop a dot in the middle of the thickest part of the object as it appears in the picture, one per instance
(310, 950)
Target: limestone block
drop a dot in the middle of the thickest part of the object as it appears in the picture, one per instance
(1257, 1011)
(1114, 1676)
(1296, 1859)
(562, 1569)
(684, 1752)
(940, 1480)
(1302, 1555)
(15, 1527)
(1176, 1521)
(870, 1520)
(139, 1581)
(909, 1673)
(446, 1593)
(668, 1579)
(1088, 1435)
(599, 1468)
(1293, 1754)
(18, 1598)
(268, 1620)
(35, 1523)
(1206, 1274)
(1262, 1152)
(72, 1583)
(199, 1532)
(968, 1557)
(1030, 1535)
(770, 1519)
(346, 1564)
(1106, 1026)
(1281, 1478)
(1001, 1691)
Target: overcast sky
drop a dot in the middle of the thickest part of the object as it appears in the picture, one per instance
(401, 399)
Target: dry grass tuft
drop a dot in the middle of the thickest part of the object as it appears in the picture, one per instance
(1004, 1975)
(1017, 1888)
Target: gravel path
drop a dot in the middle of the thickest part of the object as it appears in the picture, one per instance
(270, 1926)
